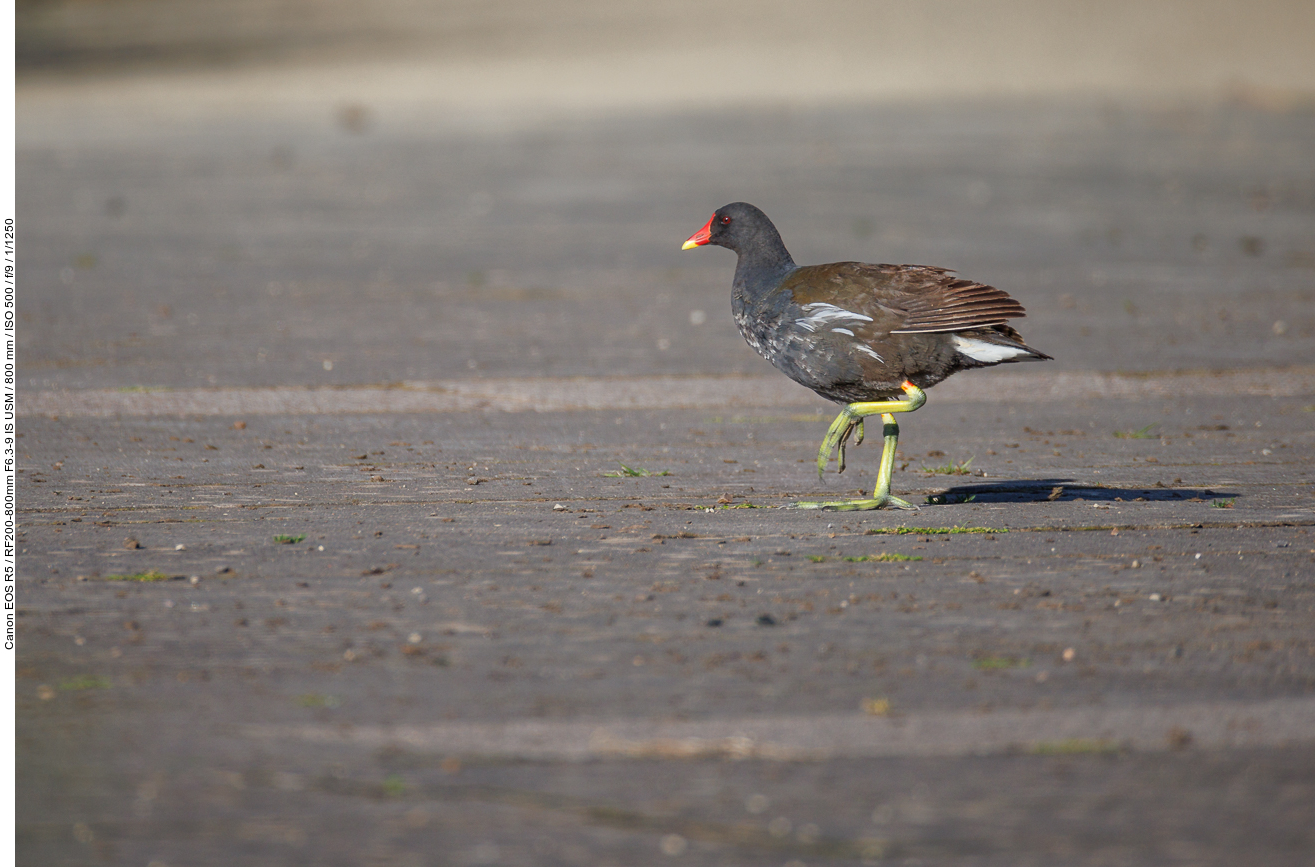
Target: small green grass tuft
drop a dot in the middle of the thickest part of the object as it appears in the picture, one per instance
(888, 557)
(394, 786)
(932, 531)
(952, 469)
(141, 389)
(152, 575)
(1224, 504)
(816, 558)
(85, 681)
(1075, 747)
(741, 506)
(1143, 433)
(289, 540)
(998, 663)
(875, 706)
(633, 473)
(316, 699)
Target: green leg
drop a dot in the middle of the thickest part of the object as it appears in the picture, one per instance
(851, 419)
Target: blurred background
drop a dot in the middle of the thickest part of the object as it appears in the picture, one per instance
(766, 49)
(256, 192)
(317, 193)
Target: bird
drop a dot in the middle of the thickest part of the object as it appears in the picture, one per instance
(870, 337)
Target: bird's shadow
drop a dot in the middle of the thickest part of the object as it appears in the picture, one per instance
(1065, 491)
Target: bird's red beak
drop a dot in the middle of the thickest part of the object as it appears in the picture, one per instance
(701, 237)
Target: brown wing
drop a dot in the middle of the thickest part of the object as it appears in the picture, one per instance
(905, 299)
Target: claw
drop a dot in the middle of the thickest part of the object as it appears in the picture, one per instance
(844, 438)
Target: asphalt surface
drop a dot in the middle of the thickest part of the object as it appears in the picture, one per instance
(355, 388)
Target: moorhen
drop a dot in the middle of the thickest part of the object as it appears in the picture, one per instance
(871, 337)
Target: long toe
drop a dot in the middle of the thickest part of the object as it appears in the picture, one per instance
(864, 505)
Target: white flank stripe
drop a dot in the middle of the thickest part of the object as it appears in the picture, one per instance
(820, 314)
(843, 331)
(989, 353)
(870, 351)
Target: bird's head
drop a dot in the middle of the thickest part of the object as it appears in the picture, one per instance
(733, 226)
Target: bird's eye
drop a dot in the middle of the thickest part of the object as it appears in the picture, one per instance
(726, 220)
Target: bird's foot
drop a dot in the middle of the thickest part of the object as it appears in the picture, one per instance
(836, 437)
(851, 418)
(866, 505)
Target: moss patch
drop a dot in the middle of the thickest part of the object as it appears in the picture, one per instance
(888, 557)
(932, 531)
(152, 575)
(634, 472)
(1075, 747)
(996, 663)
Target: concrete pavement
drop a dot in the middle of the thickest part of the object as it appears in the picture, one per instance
(329, 555)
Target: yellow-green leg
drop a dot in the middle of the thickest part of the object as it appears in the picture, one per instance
(850, 420)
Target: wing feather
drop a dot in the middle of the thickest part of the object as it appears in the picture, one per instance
(940, 302)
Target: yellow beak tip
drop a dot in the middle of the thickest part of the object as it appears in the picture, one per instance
(689, 245)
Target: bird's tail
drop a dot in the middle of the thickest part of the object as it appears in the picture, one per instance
(997, 345)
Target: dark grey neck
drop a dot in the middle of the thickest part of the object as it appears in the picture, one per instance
(763, 264)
